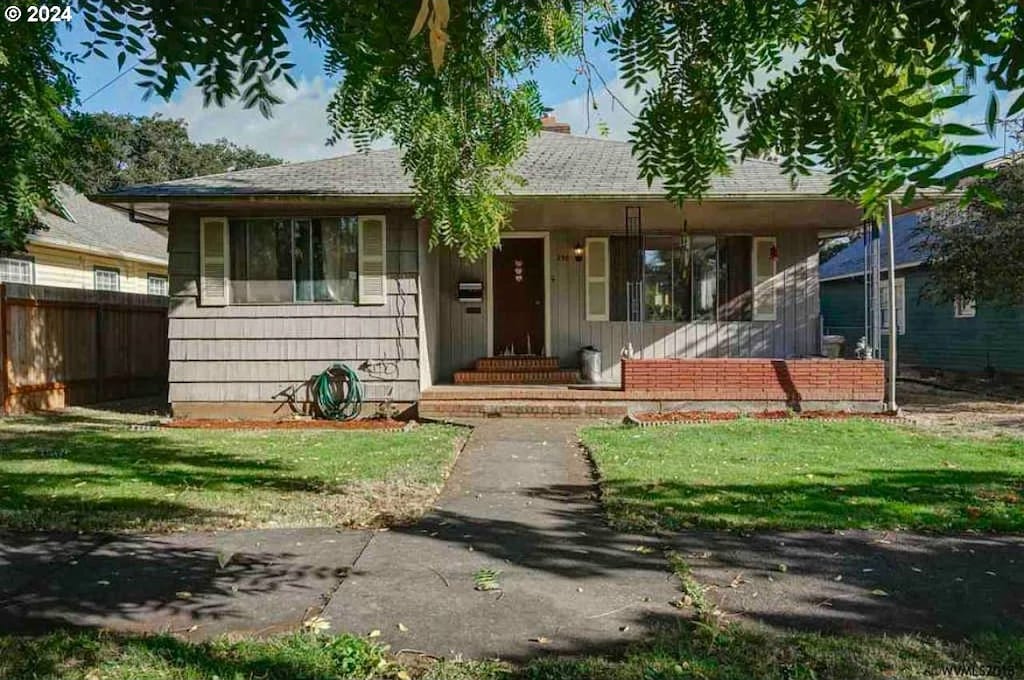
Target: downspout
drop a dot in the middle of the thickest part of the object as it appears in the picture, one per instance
(893, 330)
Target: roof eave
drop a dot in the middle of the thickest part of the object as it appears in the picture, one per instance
(61, 244)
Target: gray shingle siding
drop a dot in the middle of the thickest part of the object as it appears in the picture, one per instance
(254, 353)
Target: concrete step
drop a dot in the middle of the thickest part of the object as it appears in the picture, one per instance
(510, 364)
(520, 408)
(534, 377)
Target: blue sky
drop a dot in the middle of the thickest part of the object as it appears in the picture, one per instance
(298, 129)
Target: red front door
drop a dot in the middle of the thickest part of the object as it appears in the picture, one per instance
(518, 279)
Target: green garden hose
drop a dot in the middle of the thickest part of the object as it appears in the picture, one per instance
(338, 393)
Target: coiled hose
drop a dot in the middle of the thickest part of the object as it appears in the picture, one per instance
(338, 393)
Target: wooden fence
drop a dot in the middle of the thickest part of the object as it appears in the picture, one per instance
(64, 347)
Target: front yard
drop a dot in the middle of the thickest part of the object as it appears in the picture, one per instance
(78, 473)
(807, 474)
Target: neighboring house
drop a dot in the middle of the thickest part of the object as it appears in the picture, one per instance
(955, 336)
(90, 246)
(278, 272)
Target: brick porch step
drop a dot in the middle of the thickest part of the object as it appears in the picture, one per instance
(517, 377)
(513, 364)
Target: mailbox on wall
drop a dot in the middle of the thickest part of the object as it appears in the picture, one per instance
(471, 291)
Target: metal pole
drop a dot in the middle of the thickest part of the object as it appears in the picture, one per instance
(893, 330)
(876, 288)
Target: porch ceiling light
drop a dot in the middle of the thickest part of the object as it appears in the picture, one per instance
(577, 251)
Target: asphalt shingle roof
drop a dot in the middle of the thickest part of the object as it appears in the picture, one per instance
(850, 260)
(555, 164)
(97, 226)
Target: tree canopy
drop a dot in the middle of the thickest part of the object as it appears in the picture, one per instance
(110, 151)
(862, 90)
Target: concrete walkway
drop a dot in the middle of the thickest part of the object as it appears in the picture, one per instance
(520, 502)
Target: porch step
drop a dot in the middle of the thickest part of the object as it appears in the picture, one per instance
(517, 377)
(514, 364)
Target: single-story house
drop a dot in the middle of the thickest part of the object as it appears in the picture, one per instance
(967, 336)
(90, 246)
(278, 272)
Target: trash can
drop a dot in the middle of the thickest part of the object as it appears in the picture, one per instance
(590, 364)
(832, 346)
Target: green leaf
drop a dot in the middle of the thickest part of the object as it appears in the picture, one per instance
(959, 130)
(952, 101)
(992, 113)
(973, 149)
(1017, 106)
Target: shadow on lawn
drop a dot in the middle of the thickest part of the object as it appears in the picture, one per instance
(83, 480)
(936, 500)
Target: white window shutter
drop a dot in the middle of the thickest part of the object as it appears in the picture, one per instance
(372, 257)
(597, 266)
(213, 261)
(764, 279)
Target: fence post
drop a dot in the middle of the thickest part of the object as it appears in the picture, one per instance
(99, 352)
(4, 388)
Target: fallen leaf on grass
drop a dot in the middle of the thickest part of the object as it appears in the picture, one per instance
(316, 624)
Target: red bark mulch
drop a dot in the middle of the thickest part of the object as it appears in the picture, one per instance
(213, 424)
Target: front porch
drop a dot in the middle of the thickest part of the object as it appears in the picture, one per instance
(657, 385)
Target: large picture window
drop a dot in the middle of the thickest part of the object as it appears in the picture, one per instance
(293, 260)
(694, 278)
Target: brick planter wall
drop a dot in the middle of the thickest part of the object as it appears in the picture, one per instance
(790, 380)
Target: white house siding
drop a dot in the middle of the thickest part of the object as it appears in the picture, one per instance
(255, 353)
(66, 268)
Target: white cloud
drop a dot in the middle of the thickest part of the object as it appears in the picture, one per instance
(297, 131)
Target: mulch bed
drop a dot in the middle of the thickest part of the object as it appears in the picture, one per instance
(378, 424)
(669, 417)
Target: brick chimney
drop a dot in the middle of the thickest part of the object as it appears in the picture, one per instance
(549, 123)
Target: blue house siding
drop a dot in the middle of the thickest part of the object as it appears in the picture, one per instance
(934, 337)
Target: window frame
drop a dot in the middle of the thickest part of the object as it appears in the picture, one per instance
(965, 308)
(96, 269)
(31, 260)
(292, 219)
(150, 276)
(901, 303)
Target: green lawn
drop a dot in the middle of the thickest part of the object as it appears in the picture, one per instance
(807, 474)
(79, 475)
(686, 652)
